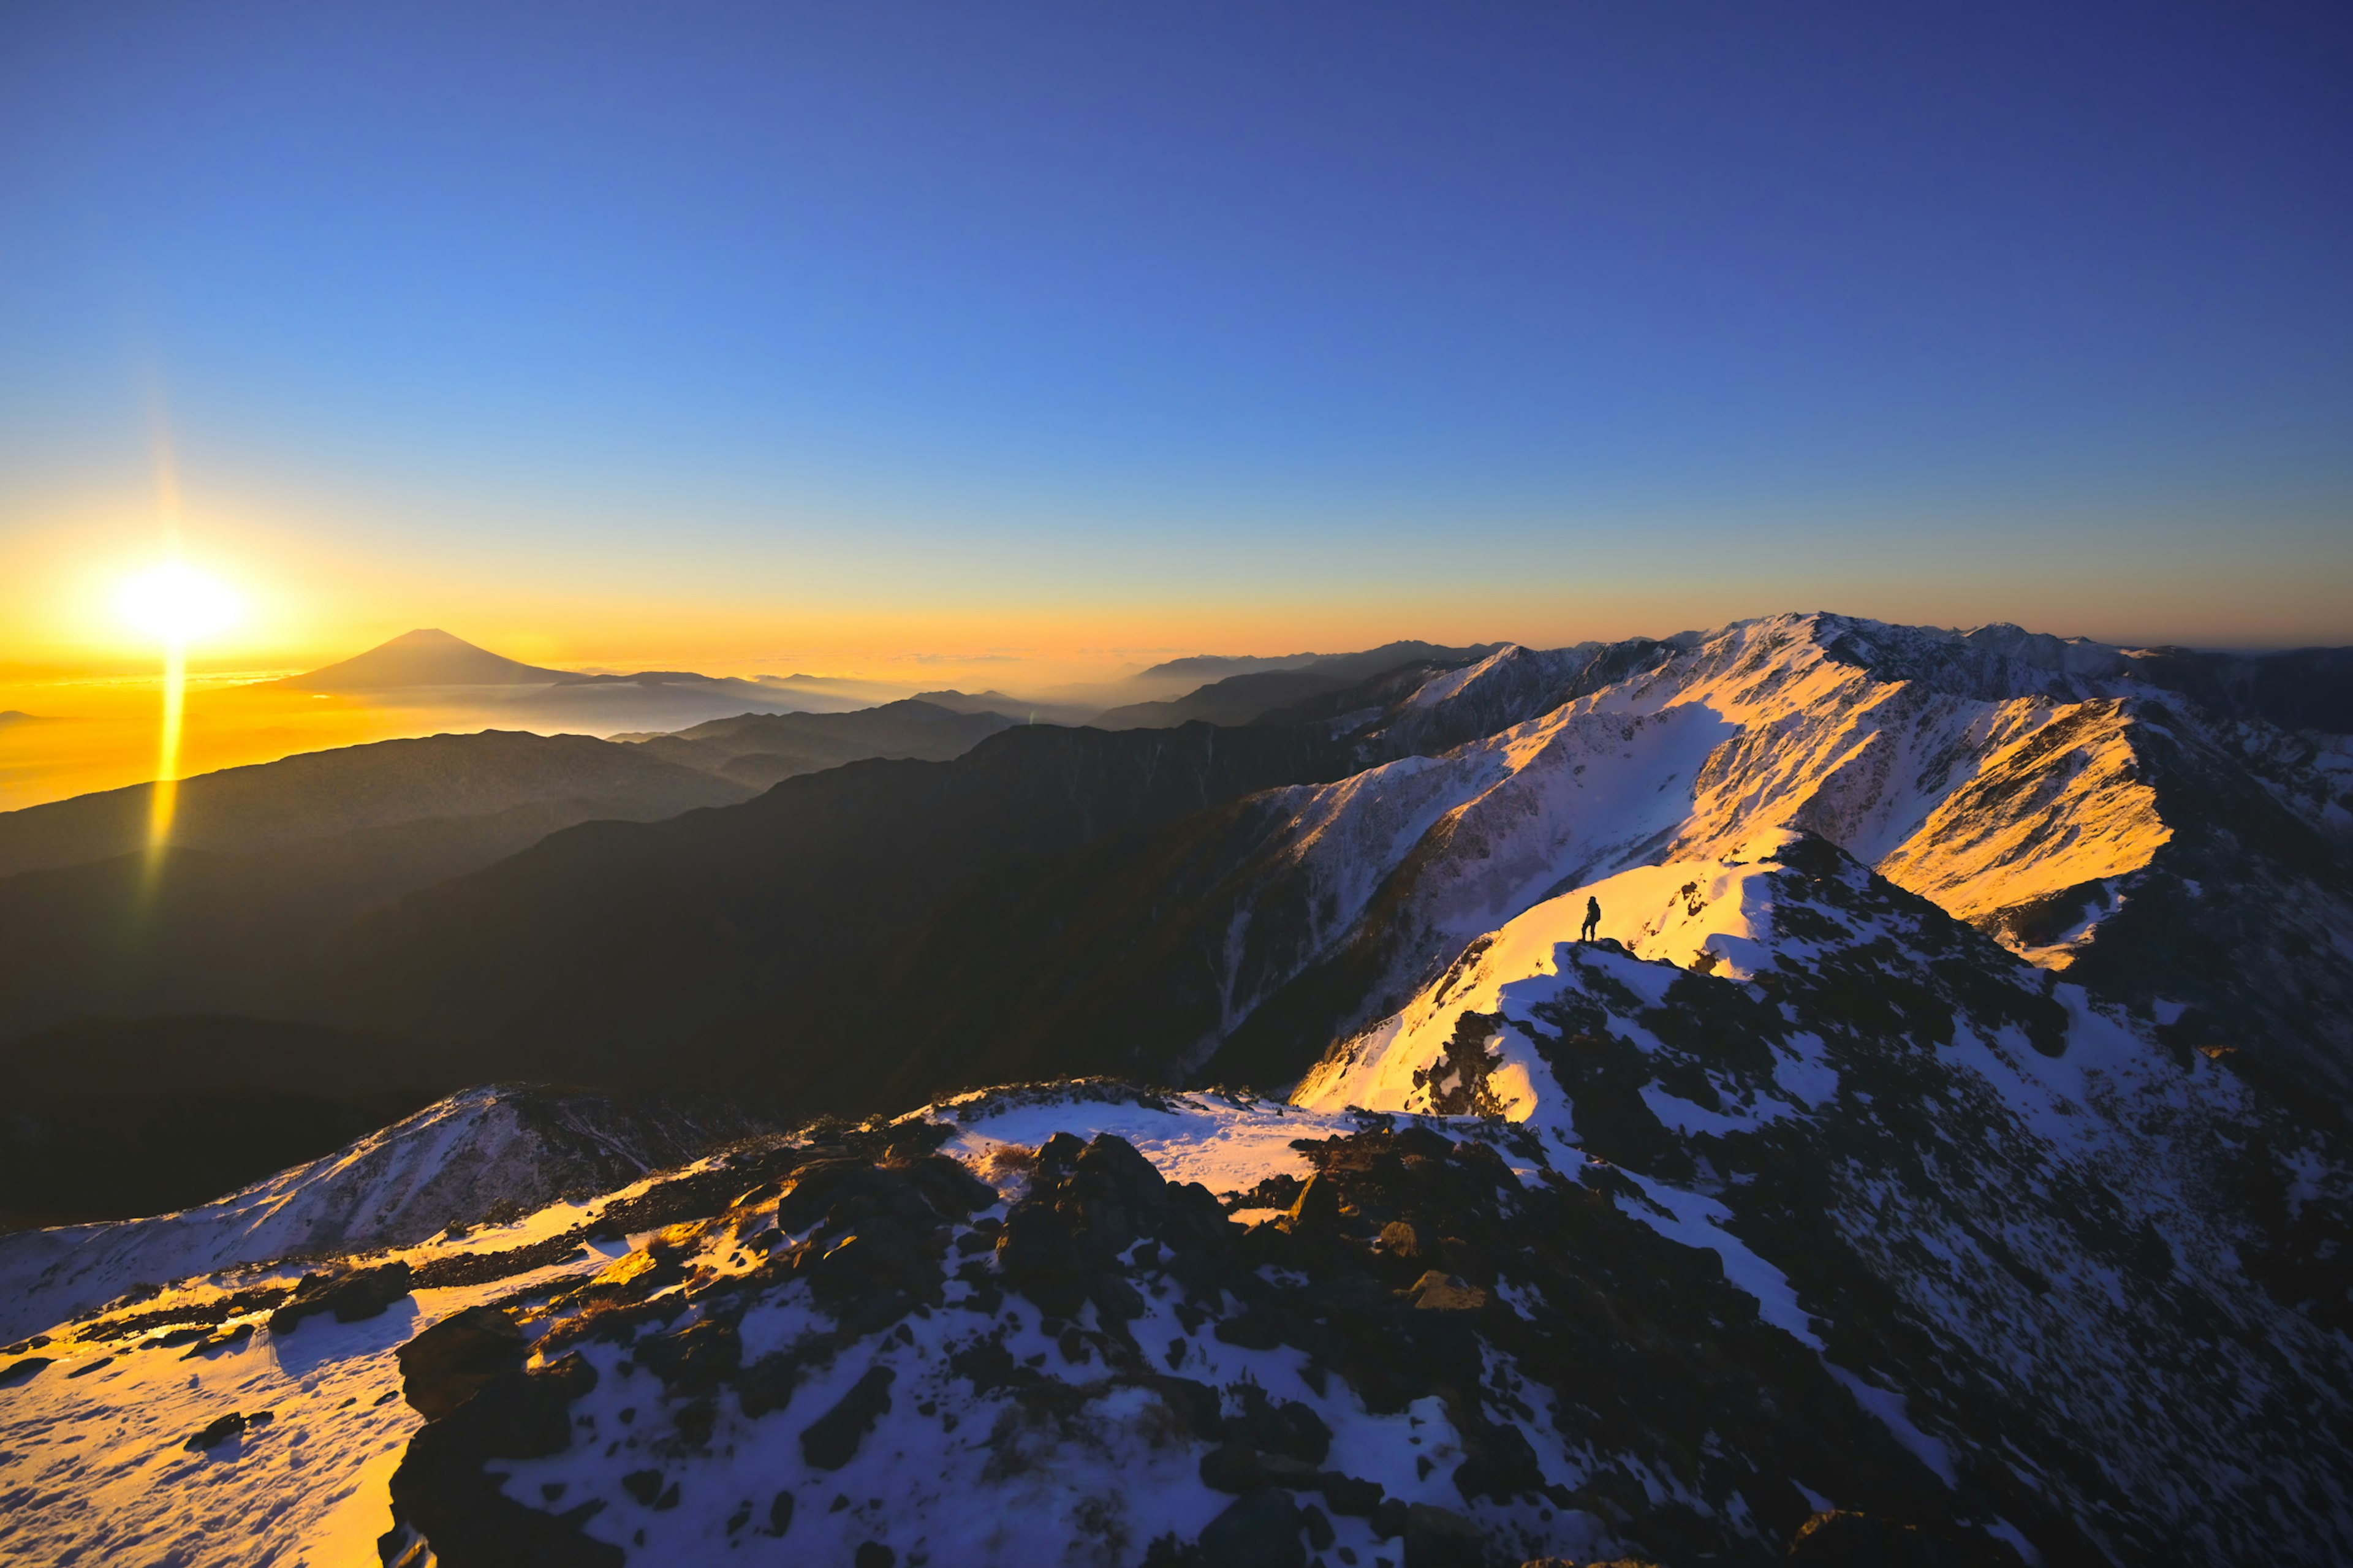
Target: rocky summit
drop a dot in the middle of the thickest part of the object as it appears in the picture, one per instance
(1933, 1152)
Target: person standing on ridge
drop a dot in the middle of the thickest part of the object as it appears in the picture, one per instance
(1592, 926)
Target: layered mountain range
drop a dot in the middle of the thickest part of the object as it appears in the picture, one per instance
(1935, 1152)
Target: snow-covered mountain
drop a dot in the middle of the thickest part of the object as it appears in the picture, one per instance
(499, 1149)
(1937, 1157)
(2163, 854)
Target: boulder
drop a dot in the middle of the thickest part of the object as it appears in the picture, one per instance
(221, 1430)
(1287, 1427)
(362, 1293)
(1317, 1211)
(442, 1492)
(1260, 1530)
(695, 1359)
(831, 1440)
(1195, 1404)
(1441, 1293)
(450, 1362)
(1441, 1538)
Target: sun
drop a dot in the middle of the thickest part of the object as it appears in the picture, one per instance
(175, 603)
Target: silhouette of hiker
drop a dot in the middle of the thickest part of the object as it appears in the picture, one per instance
(1592, 926)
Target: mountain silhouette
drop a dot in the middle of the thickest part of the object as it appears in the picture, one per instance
(426, 656)
(1242, 697)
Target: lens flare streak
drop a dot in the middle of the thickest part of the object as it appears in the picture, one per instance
(164, 801)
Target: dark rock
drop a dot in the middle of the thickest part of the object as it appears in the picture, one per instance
(1441, 1292)
(1390, 1517)
(1276, 1191)
(1317, 1211)
(1196, 1404)
(1501, 1464)
(217, 1433)
(950, 1188)
(1057, 1156)
(767, 1384)
(86, 1368)
(1039, 1256)
(1261, 1531)
(1251, 1330)
(1288, 1427)
(230, 1340)
(24, 1371)
(175, 1338)
(873, 1554)
(643, 1485)
(831, 1440)
(816, 1187)
(1088, 1205)
(1347, 1495)
(524, 1414)
(861, 1278)
(1441, 1538)
(443, 1493)
(1400, 1239)
(780, 1513)
(446, 1364)
(1115, 1299)
(362, 1293)
(694, 1421)
(1319, 1533)
(695, 1359)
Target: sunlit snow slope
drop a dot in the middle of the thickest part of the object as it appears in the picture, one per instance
(2038, 801)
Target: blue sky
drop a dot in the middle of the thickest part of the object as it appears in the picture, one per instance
(1211, 321)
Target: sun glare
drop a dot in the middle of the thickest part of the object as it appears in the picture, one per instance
(175, 604)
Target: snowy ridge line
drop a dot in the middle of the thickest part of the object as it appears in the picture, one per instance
(498, 1150)
(2026, 1192)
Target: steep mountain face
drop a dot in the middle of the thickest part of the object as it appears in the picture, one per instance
(759, 749)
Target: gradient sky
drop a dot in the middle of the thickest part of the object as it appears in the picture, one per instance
(841, 336)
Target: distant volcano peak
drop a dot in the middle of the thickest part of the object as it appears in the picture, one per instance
(425, 656)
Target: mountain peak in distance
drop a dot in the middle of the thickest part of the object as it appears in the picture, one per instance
(426, 656)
